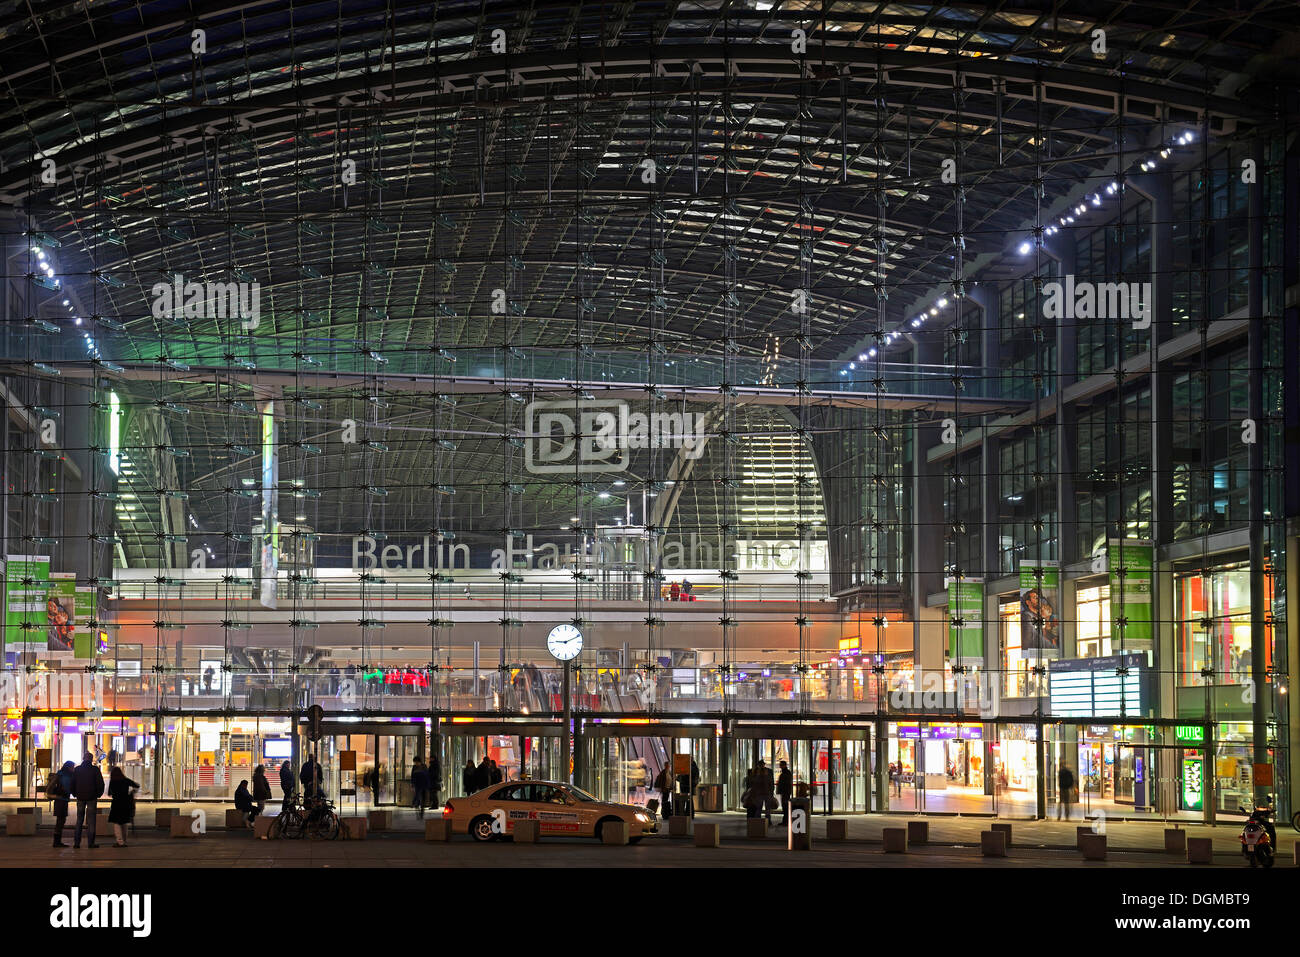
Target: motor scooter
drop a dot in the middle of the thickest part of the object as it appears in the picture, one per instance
(1259, 837)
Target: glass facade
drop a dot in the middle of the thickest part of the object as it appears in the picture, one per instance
(920, 488)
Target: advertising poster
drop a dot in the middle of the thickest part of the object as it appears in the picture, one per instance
(966, 604)
(1040, 617)
(26, 616)
(60, 617)
(1131, 563)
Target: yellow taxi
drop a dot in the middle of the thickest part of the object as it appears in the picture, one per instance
(558, 809)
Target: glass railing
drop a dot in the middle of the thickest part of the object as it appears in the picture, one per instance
(310, 356)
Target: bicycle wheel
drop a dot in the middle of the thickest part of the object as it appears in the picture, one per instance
(288, 825)
(326, 826)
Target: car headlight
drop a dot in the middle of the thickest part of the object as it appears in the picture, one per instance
(643, 817)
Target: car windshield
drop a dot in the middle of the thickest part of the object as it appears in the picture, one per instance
(580, 794)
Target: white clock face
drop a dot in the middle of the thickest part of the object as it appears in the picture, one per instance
(564, 642)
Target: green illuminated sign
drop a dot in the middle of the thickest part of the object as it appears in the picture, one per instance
(1192, 773)
(1190, 732)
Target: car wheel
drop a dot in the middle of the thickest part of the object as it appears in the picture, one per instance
(600, 827)
(1295, 820)
(481, 828)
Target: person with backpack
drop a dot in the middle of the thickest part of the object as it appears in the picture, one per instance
(58, 788)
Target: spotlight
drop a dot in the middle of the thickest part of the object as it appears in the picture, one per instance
(853, 365)
(943, 303)
(1024, 248)
(916, 323)
(1096, 199)
(871, 353)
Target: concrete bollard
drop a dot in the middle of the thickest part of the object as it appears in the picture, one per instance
(993, 843)
(36, 812)
(895, 840)
(918, 832)
(1200, 850)
(262, 826)
(162, 817)
(707, 835)
(527, 832)
(438, 829)
(614, 832)
(680, 826)
(1080, 833)
(380, 820)
(235, 820)
(182, 825)
(1004, 828)
(1093, 846)
(755, 827)
(20, 825)
(1175, 840)
(354, 828)
(837, 829)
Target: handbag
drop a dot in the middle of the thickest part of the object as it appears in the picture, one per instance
(772, 804)
(747, 798)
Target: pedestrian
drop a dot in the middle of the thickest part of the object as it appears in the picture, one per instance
(122, 809)
(311, 777)
(748, 799)
(420, 785)
(497, 775)
(686, 784)
(785, 787)
(768, 787)
(1065, 778)
(469, 777)
(244, 802)
(208, 675)
(375, 778)
(87, 788)
(261, 789)
(674, 592)
(286, 784)
(664, 785)
(58, 788)
(112, 757)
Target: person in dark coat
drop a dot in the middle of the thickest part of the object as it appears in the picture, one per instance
(87, 788)
(785, 788)
(1065, 779)
(311, 777)
(419, 785)
(686, 785)
(496, 774)
(468, 775)
(664, 785)
(122, 808)
(244, 802)
(482, 775)
(261, 790)
(764, 787)
(58, 789)
(286, 784)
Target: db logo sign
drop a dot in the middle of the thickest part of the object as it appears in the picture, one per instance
(596, 436)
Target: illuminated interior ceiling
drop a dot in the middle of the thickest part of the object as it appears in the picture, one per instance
(478, 170)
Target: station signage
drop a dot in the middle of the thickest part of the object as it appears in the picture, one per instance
(1096, 687)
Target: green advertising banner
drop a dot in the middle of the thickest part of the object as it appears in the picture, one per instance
(1040, 617)
(1132, 563)
(966, 605)
(26, 585)
(85, 641)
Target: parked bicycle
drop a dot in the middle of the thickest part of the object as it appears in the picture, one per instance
(314, 819)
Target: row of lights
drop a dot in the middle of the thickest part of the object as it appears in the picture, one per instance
(1146, 166)
(1026, 247)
